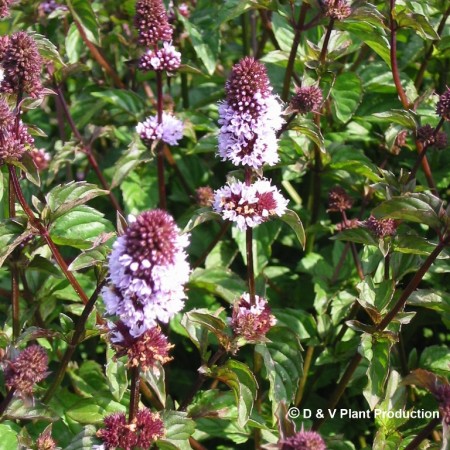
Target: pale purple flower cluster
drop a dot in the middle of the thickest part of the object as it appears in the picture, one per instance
(249, 117)
(166, 58)
(170, 130)
(147, 270)
(50, 6)
(249, 205)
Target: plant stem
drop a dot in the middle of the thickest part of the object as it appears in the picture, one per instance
(393, 54)
(414, 444)
(134, 393)
(87, 149)
(35, 223)
(6, 401)
(412, 285)
(160, 146)
(302, 382)
(76, 338)
(295, 43)
(323, 53)
(99, 57)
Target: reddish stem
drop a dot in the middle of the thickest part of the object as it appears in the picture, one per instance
(326, 41)
(134, 393)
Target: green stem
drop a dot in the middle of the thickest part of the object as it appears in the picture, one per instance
(76, 338)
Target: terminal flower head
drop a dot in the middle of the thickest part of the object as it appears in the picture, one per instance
(142, 432)
(337, 9)
(147, 270)
(252, 322)
(249, 117)
(428, 137)
(304, 440)
(170, 130)
(152, 22)
(251, 205)
(45, 440)
(443, 105)
(306, 99)
(381, 227)
(22, 65)
(339, 200)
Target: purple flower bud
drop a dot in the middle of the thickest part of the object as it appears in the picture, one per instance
(146, 428)
(166, 58)
(45, 440)
(249, 117)
(147, 270)
(443, 105)
(339, 200)
(41, 158)
(306, 99)
(22, 65)
(252, 322)
(27, 369)
(304, 440)
(152, 22)
(4, 7)
(204, 196)
(183, 9)
(337, 9)
(170, 130)
(428, 138)
(381, 227)
(249, 206)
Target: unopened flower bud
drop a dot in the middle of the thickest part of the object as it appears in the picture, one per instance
(306, 99)
(152, 22)
(381, 227)
(443, 105)
(304, 440)
(339, 200)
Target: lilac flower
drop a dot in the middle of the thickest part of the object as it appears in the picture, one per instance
(249, 117)
(170, 130)
(152, 22)
(147, 270)
(251, 205)
(22, 65)
(252, 322)
(50, 6)
(166, 58)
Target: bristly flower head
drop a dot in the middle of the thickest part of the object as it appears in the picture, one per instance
(146, 428)
(304, 440)
(41, 158)
(170, 130)
(27, 369)
(147, 270)
(204, 196)
(249, 117)
(249, 206)
(428, 138)
(45, 440)
(337, 9)
(22, 65)
(4, 43)
(306, 99)
(166, 58)
(252, 322)
(4, 7)
(339, 200)
(145, 351)
(152, 22)
(14, 140)
(381, 227)
(442, 394)
(443, 105)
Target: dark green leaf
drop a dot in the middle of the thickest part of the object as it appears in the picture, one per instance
(156, 378)
(418, 22)
(436, 359)
(17, 410)
(126, 101)
(83, 13)
(200, 216)
(12, 234)
(93, 410)
(400, 116)
(346, 93)
(211, 322)
(309, 129)
(364, 168)
(90, 257)
(291, 218)
(85, 440)
(283, 364)
(179, 427)
(116, 376)
(436, 300)
(27, 165)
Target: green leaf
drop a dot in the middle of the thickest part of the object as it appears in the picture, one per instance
(65, 197)
(9, 437)
(400, 116)
(309, 129)
(205, 43)
(411, 207)
(91, 257)
(93, 410)
(363, 168)
(377, 352)
(27, 165)
(85, 440)
(48, 50)
(239, 378)
(12, 234)
(126, 101)
(140, 189)
(116, 376)
(179, 427)
(282, 359)
(416, 245)
(376, 295)
(156, 378)
(79, 227)
(436, 359)
(418, 22)
(432, 299)
(133, 156)
(17, 410)
(220, 281)
(200, 216)
(83, 13)
(211, 322)
(347, 94)
(291, 218)
(359, 235)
